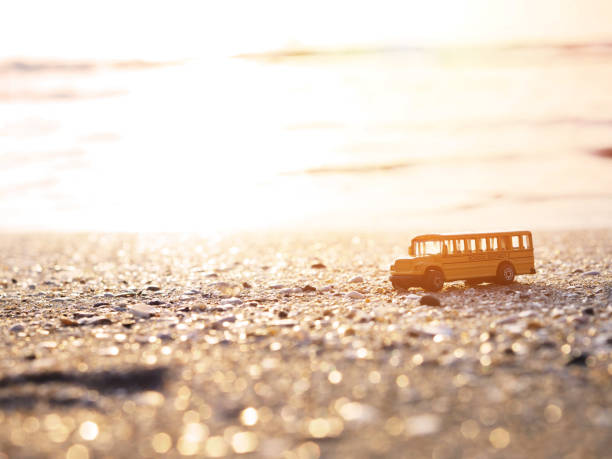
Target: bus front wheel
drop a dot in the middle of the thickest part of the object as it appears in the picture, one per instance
(434, 280)
(505, 274)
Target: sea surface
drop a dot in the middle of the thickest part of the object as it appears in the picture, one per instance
(368, 139)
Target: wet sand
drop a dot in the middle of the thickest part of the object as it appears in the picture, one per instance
(138, 346)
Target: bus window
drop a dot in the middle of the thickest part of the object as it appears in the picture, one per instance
(516, 242)
(432, 247)
(472, 245)
(481, 244)
(526, 242)
(459, 245)
(493, 243)
(447, 247)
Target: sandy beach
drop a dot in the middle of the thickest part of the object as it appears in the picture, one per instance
(293, 345)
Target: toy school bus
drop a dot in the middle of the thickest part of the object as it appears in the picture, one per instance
(472, 257)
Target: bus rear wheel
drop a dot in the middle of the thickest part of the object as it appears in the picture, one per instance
(505, 274)
(434, 280)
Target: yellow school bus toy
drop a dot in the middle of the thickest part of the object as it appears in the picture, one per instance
(472, 257)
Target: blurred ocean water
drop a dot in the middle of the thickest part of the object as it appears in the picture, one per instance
(392, 138)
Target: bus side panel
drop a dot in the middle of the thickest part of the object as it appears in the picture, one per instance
(471, 265)
(456, 267)
(522, 260)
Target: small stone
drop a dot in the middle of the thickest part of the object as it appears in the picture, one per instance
(577, 271)
(232, 301)
(282, 314)
(96, 321)
(290, 291)
(225, 288)
(220, 324)
(318, 266)
(579, 320)
(246, 285)
(81, 315)
(17, 328)
(508, 320)
(589, 311)
(592, 273)
(429, 300)
(68, 322)
(101, 304)
(356, 279)
(412, 296)
(546, 345)
(155, 303)
(327, 288)
(534, 325)
(309, 288)
(579, 360)
(283, 323)
(142, 310)
(153, 288)
(355, 295)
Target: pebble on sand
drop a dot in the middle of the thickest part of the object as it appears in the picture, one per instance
(232, 301)
(355, 295)
(289, 291)
(142, 310)
(17, 328)
(318, 266)
(356, 279)
(68, 322)
(429, 300)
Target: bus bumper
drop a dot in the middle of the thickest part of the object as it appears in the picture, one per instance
(406, 280)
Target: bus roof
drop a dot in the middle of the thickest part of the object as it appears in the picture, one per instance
(468, 235)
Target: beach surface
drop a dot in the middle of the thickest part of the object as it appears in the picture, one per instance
(295, 345)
